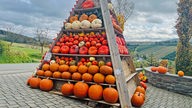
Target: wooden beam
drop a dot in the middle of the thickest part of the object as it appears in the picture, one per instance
(115, 56)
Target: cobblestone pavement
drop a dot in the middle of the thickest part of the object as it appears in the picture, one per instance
(14, 93)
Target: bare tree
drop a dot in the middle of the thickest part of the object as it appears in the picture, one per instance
(42, 37)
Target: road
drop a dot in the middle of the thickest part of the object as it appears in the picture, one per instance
(14, 93)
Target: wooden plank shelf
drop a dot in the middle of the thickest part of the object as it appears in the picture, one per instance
(131, 76)
(87, 99)
(85, 30)
(67, 80)
(84, 10)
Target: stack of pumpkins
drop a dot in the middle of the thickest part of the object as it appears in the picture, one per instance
(160, 69)
(138, 97)
(83, 22)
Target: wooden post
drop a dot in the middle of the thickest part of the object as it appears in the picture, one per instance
(115, 56)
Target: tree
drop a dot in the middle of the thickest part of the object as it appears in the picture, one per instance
(42, 37)
(184, 31)
(123, 10)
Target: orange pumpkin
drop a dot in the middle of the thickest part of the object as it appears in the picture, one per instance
(34, 82)
(180, 73)
(87, 77)
(95, 92)
(45, 67)
(110, 95)
(29, 79)
(93, 69)
(140, 89)
(67, 89)
(83, 17)
(80, 90)
(73, 69)
(40, 73)
(73, 18)
(57, 75)
(66, 75)
(137, 100)
(110, 79)
(82, 69)
(54, 67)
(63, 68)
(76, 76)
(92, 17)
(162, 69)
(46, 84)
(48, 74)
(99, 78)
(106, 70)
(140, 94)
(154, 69)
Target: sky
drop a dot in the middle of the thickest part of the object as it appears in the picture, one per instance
(152, 20)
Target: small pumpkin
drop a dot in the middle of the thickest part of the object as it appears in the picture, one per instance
(106, 70)
(76, 25)
(87, 77)
(76, 76)
(80, 90)
(68, 26)
(82, 69)
(97, 23)
(95, 92)
(73, 18)
(143, 85)
(57, 75)
(66, 75)
(54, 67)
(63, 68)
(154, 69)
(67, 89)
(73, 69)
(92, 17)
(180, 73)
(46, 84)
(40, 73)
(137, 100)
(83, 17)
(162, 70)
(85, 24)
(93, 69)
(99, 78)
(45, 67)
(110, 79)
(48, 74)
(34, 82)
(110, 95)
(140, 89)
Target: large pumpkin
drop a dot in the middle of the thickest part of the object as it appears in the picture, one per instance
(29, 79)
(76, 76)
(34, 82)
(99, 78)
(80, 90)
(140, 94)
(106, 70)
(110, 95)
(63, 68)
(93, 69)
(73, 69)
(137, 100)
(54, 67)
(140, 89)
(154, 69)
(45, 67)
(83, 17)
(40, 73)
(48, 74)
(66, 75)
(57, 75)
(85, 24)
(46, 84)
(180, 73)
(162, 69)
(82, 69)
(67, 89)
(87, 77)
(110, 79)
(92, 17)
(95, 92)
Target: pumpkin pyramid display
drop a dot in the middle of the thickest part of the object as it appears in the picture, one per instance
(89, 59)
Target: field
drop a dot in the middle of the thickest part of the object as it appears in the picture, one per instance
(19, 53)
